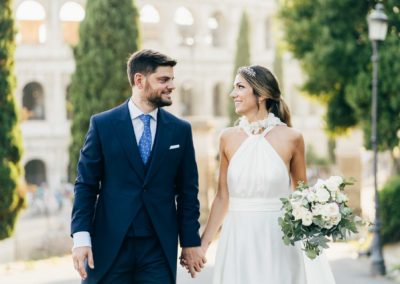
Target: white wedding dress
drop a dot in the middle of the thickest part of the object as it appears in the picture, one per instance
(251, 249)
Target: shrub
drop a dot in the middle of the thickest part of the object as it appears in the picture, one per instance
(389, 202)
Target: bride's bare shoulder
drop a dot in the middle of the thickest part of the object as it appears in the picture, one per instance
(293, 135)
(289, 134)
(230, 133)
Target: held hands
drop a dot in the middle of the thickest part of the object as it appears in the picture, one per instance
(193, 259)
(79, 256)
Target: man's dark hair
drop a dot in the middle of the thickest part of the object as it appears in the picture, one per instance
(146, 62)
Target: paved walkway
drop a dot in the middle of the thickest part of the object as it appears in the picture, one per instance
(347, 270)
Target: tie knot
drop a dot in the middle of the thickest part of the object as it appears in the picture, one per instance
(145, 118)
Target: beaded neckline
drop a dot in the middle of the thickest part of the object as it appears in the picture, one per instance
(259, 126)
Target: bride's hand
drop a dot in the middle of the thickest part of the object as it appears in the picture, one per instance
(204, 246)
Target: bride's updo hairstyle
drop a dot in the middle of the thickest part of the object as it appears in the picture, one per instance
(265, 85)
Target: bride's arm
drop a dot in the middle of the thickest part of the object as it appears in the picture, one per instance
(298, 162)
(221, 201)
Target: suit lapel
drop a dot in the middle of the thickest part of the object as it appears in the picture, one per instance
(126, 135)
(162, 141)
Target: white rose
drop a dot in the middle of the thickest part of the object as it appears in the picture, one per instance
(330, 209)
(333, 183)
(316, 209)
(324, 217)
(336, 219)
(307, 219)
(298, 212)
(311, 196)
(319, 184)
(341, 197)
(322, 194)
(296, 202)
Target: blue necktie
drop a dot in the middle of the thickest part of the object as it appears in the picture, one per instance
(145, 140)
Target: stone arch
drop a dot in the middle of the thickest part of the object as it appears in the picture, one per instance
(31, 17)
(185, 23)
(33, 102)
(150, 19)
(35, 172)
(71, 14)
(217, 27)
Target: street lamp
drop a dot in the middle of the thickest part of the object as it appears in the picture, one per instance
(377, 29)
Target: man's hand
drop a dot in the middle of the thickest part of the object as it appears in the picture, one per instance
(79, 256)
(193, 259)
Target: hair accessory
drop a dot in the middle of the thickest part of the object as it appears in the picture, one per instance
(248, 71)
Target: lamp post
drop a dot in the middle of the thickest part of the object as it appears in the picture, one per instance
(377, 29)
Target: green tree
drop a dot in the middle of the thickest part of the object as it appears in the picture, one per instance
(330, 38)
(242, 56)
(389, 198)
(108, 35)
(11, 197)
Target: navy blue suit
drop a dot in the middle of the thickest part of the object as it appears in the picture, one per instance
(113, 186)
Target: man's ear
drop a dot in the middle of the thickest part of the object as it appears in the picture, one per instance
(138, 78)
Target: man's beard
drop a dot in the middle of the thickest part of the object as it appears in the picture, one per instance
(155, 98)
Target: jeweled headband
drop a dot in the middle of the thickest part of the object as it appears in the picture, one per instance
(248, 71)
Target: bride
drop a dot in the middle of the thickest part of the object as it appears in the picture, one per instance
(259, 159)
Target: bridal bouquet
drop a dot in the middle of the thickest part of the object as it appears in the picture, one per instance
(314, 213)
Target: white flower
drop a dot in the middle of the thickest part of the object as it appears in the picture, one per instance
(336, 219)
(333, 183)
(296, 202)
(311, 196)
(322, 194)
(341, 197)
(325, 218)
(319, 184)
(307, 219)
(330, 209)
(299, 212)
(316, 209)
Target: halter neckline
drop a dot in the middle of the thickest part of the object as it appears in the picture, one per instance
(260, 127)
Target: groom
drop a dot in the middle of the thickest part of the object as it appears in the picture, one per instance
(137, 184)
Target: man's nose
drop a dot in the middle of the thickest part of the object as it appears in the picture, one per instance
(171, 86)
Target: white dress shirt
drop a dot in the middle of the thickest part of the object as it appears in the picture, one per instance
(82, 239)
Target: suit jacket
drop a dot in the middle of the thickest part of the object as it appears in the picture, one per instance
(112, 182)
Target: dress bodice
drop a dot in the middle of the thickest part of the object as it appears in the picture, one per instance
(256, 170)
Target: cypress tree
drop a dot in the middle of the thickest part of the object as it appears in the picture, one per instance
(108, 35)
(11, 197)
(242, 56)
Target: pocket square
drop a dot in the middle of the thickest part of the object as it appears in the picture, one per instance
(174, 146)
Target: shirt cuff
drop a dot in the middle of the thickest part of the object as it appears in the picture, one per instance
(81, 239)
